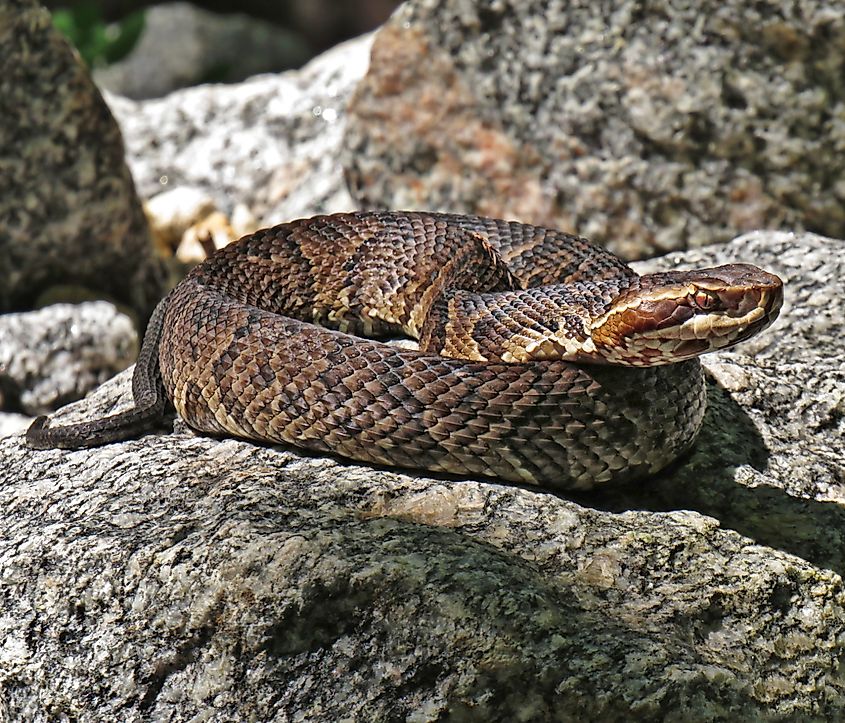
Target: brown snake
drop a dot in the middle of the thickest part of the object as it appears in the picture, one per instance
(544, 358)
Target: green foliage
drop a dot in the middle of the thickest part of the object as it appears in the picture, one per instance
(98, 42)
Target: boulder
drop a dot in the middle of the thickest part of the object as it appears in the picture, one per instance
(270, 143)
(68, 209)
(642, 126)
(11, 422)
(182, 577)
(56, 354)
(183, 44)
(72, 226)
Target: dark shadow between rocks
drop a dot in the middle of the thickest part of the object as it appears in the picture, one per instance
(703, 481)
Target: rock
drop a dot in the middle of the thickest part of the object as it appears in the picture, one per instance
(12, 423)
(68, 209)
(57, 354)
(176, 576)
(637, 127)
(173, 212)
(270, 143)
(184, 45)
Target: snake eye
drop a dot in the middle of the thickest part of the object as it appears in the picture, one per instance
(704, 300)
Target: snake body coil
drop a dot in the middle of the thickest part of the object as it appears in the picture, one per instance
(503, 312)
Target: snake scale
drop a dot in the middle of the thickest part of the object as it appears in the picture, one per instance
(543, 358)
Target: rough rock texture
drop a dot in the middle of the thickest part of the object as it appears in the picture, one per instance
(640, 125)
(10, 423)
(270, 143)
(183, 45)
(266, 147)
(176, 576)
(57, 354)
(68, 209)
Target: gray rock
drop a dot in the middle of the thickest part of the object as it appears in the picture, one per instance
(178, 577)
(183, 45)
(640, 126)
(68, 209)
(57, 354)
(270, 143)
(11, 423)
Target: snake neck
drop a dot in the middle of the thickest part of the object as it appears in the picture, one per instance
(549, 323)
(650, 320)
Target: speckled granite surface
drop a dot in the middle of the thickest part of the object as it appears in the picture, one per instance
(177, 577)
(55, 355)
(68, 209)
(643, 126)
(270, 143)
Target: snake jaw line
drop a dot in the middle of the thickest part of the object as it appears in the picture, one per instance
(666, 317)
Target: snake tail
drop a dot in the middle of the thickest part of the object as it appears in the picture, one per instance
(150, 403)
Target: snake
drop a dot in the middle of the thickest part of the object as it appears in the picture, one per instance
(542, 358)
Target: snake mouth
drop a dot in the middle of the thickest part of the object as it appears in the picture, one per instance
(670, 317)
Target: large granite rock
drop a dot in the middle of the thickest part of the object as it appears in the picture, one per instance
(178, 577)
(68, 209)
(640, 125)
(12, 422)
(270, 143)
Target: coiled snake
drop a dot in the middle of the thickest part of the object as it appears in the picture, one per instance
(544, 358)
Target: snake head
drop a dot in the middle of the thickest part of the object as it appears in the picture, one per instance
(668, 317)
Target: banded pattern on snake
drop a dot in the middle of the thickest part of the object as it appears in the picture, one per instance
(543, 358)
